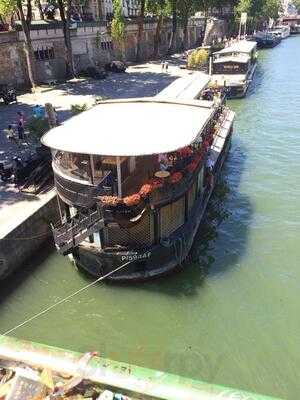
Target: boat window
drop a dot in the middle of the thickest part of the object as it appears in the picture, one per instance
(200, 180)
(73, 164)
(230, 68)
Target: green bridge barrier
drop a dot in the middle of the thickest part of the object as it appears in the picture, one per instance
(142, 383)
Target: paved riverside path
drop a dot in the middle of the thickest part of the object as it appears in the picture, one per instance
(139, 81)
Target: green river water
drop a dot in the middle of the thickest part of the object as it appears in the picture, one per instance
(233, 316)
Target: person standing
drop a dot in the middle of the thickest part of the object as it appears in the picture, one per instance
(166, 66)
(162, 66)
(20, 124)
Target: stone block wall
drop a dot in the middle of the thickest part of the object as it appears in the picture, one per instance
(92, 45)
(26, 239)
(12, 61)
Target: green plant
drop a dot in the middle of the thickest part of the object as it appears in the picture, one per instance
(197, 59)
(191, 62)
(118, 22)
(37, 126)
(78, 108)
(201, 57)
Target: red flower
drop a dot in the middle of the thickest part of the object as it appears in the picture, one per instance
(145, 190)
(191, 167)
(155, 183)
(197, 158)
(185, 151)
(176, 177)
(132, 200)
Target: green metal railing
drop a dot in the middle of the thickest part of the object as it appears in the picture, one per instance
(140, 382)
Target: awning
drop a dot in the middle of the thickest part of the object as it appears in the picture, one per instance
(131, 127)
(242, 46)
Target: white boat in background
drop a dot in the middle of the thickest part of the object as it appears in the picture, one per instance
(283, 31)
(234, 67)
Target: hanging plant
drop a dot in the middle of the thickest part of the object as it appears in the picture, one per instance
(111, 201)
(132, 200)
(176, 177)
(155, 183)
(185, 151)
(191, 167)
(145, 190)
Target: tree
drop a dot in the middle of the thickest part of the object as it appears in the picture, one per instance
(64, 11)
(39, 6)
(186, 8)
(29, 53)
(172, 42)
(159, 8)
(258, 11)
(272, 9)
(296, 3)
(7, 8)
(141, 18)
(118, 26)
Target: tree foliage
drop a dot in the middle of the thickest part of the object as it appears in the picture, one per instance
(7, 7)
(118, 22)
(197, 59)
(258, 11)
(296, 3)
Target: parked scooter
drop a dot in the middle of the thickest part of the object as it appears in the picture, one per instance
(8, 94)
(6, 170)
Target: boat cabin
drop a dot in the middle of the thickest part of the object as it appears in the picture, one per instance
(235, 59)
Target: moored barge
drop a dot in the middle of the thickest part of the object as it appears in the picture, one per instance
(234, 67)
(133, 179)
(266, 39)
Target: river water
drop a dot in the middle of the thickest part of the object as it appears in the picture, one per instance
(233, 316)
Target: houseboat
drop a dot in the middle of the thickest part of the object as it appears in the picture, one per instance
(234, 67)
(282, 31)
(133, 179)
(266, 39)
(293, 21)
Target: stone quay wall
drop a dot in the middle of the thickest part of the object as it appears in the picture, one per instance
(92, 45)
(23, 242)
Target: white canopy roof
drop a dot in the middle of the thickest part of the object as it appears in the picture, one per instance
(131, 127)
(186, 88)
(242, 46)
(239, 58)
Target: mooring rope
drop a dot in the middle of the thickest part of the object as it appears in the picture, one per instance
(64, 300)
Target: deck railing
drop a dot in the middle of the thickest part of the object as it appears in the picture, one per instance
(70, 234)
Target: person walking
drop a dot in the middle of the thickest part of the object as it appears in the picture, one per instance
(166, 66)
(162, 66)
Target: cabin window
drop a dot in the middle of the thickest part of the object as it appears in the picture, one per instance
(132, 164)
(230, 68)
(97, 240)
(172, 217)
(74, 165)
(200, 180)
(138, 235)
(192, 193)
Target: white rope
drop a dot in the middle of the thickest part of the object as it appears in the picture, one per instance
(64, 300)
